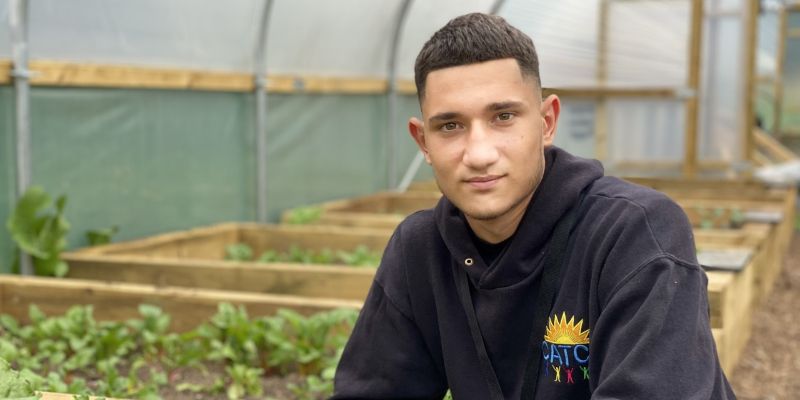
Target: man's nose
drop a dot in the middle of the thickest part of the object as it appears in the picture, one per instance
(480, 151)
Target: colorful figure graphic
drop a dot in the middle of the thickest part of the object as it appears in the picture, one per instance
(566, 346)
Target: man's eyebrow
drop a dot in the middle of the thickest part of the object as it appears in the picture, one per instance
(445, 116)
(504, 105)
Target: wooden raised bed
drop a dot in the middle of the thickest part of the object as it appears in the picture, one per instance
(115, 301)
(423, 186)
(383, 210)
(195, 258)
(735, 190)
(732, 295)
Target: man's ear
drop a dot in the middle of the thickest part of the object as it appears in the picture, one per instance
(551, 108)
(417, 130)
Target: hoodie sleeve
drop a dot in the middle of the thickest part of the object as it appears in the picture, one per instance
(386, 356)
(653, 337)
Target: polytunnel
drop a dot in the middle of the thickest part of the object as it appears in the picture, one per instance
(145, 115)
(171, 145)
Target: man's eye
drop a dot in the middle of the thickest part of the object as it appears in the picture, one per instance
(506, 116)
(450, 126)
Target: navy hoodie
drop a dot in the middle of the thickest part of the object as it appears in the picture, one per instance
(630, 319)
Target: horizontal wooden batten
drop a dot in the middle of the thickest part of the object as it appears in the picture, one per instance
(114, 301)
(597, 92)
(195, 258)
(5, 72)
(709, 165)
(315, 281)
(74, 74)
(56, 73)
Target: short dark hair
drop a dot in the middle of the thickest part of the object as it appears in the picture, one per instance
(474, 38)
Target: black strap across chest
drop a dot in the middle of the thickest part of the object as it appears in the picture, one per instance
(548, 286)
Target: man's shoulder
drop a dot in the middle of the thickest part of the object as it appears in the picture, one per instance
(420, 225)
(639, 201)
(643, 212)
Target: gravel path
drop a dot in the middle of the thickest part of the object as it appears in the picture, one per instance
(770, 365)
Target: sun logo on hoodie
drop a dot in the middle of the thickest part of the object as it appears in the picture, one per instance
(563, 332)
(565, 349)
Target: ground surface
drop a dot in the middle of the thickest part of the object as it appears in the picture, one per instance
(770, 364)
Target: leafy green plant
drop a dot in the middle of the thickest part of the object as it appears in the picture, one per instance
(238, 252)
(13, 384)
(73, 353)
(737, 218)
(310, 344)
(304, 215)
(361, 256)
(244, 380)
(97, 237)
(39, 228)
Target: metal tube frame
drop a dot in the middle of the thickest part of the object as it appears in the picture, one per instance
(260, 77)
(391, 145)
(18, 19)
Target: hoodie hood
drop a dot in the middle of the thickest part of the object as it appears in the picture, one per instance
(565, 177)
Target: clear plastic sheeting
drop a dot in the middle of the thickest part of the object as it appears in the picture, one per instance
(648, 43)
(720, 136)
(790, 111)
(332, 38)
(424, 18)
(565, 35)
(5, 39)
(576, 127)
(766, 58)
(214, 35)
(645, 130)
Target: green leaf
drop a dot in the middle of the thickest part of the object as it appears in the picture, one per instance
(238, 252)
(304, 215)
(35, 314)
(40, 231)
(97, 237)
(25, 223)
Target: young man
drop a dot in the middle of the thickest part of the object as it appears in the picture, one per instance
(535, 275)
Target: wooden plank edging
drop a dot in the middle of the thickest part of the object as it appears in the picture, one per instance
(120, 301)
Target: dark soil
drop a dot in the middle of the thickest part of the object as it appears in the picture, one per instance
(275, 387)
(770, 364)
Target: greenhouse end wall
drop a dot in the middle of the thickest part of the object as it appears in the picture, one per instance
(150, 161)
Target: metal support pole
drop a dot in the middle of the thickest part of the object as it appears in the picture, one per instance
(496, 7)
(601, 76)
(260, 76)
(391, 145)
(780, 59)
(18, 18)
(411, 172)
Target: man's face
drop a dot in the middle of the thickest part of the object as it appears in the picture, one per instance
(484, 130)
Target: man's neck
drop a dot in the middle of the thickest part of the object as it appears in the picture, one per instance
(498, 229)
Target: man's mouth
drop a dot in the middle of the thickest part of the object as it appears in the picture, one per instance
(484, 182)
